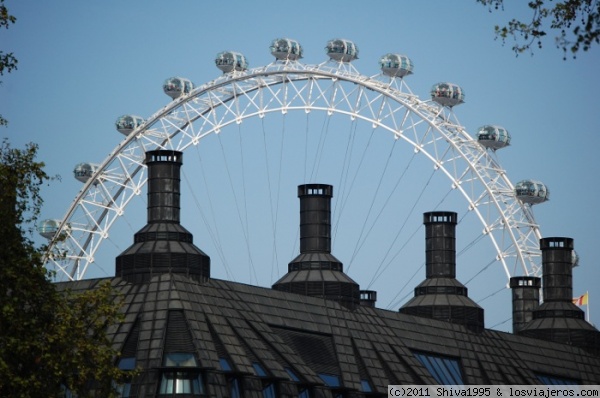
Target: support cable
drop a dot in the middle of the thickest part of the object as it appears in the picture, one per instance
(244, 195)
(392, 303)
(237, 207)
(344, 174)
(320, 146)
(213, 234)
(359, 244)
(344, 199)
(274, 259)
(480, 271)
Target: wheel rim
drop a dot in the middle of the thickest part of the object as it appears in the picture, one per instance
(282, 87)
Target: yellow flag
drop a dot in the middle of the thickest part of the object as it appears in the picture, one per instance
(581, 300)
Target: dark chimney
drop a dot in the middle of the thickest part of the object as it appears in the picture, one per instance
(557, 318)
(163, 186)
(525, 299)
(163, 245)
(440, 244)
(316, 272)
(557, 270)
(440, 295)
(315, 218)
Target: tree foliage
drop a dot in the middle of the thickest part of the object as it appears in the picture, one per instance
(50, 339)
(8, 62)
(575, 22)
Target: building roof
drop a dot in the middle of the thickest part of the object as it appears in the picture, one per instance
(311, 336)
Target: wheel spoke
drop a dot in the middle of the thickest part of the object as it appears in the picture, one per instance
(336, 90)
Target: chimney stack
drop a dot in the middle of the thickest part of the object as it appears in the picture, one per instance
(164, 179)
(557, 318)
(557, 270)
(440, 244)
(316, 272)
(440, 296)
(163, 245)
(315, 218)
(525, 299)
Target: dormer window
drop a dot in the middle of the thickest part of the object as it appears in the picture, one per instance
(445, 370)
(181, 376)
(268, 385)
(233, 383)
(128, 364)
(303, 391)
(551, 380)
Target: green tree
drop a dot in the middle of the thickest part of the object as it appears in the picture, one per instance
(50, 339)
(576, 24)
(8, 62)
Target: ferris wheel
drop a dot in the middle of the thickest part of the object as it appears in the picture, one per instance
(334, 88)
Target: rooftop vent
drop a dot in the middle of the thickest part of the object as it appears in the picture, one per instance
(557, 318)
(163, 245)
(368, 298)
(440, 296)
(316, 272)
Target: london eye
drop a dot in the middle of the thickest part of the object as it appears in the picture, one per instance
(288, 123)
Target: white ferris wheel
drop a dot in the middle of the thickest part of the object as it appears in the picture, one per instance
(293, 93)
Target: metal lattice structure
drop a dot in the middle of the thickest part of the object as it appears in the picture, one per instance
(285, 86)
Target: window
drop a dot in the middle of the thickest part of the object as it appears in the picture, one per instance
(550, 380)
(234, 388)
(330, 380)
(180, 375)
(366, 386)
(303, 392)
(269, 391)
(126, 363)
(268, 386)
(225, 365)
(181, 382)
(260, 371)
(445, 370)
(65, 392)
(124, 389)
(180, 360)
(292, 375)
(232, 381)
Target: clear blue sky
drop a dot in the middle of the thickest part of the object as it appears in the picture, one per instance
(82, 64)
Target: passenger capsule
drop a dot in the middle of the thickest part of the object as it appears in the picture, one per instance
(175, 87)
(127, 123)
(396, 65)
(84, 171)
(532, 192)
(447, 94)
(341, 50)
(494, 137)
(48, 228)
(575, 258)
(229, 61)
(283, 49)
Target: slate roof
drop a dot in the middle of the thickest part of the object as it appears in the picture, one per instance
(308, 335)
(191, 335)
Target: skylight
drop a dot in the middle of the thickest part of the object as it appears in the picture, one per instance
(445, 370)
